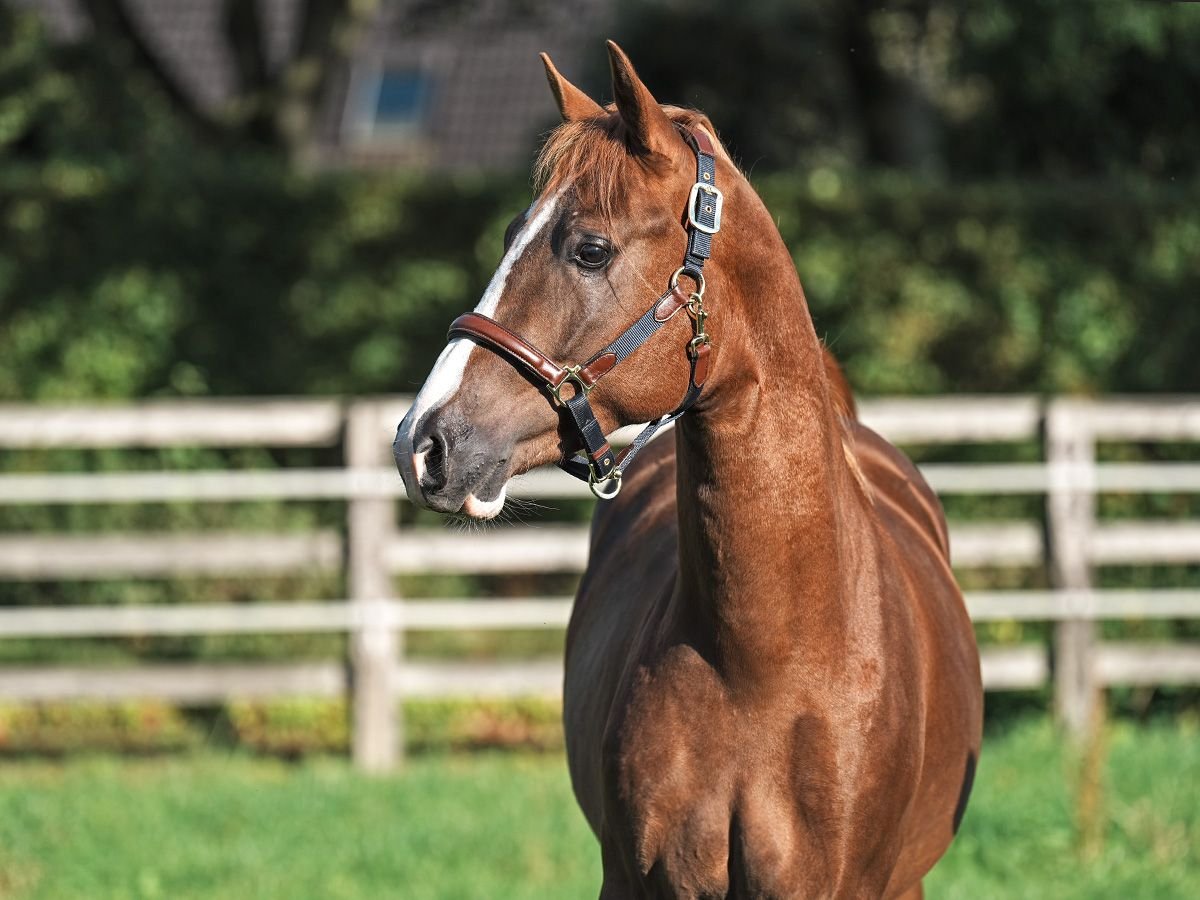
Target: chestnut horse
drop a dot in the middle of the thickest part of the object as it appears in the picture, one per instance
(772, 685)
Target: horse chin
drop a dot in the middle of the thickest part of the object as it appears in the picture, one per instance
(484, 509)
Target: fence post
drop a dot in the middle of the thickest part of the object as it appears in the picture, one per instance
(374, 644)
(1071, 511)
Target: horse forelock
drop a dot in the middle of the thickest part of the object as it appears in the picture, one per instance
(595, 157)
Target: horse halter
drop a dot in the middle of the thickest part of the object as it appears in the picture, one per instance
(597, 463)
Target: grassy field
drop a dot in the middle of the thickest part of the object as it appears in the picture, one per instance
(505, 826)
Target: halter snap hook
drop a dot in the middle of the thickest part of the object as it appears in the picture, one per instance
(594, 484)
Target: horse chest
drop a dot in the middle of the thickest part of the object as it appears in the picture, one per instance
(708, 790)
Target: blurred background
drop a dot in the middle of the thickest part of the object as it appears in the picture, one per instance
(235, 662)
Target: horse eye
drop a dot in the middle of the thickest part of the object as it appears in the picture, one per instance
(592, 256)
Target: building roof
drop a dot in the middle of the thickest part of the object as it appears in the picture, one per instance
(473, 62)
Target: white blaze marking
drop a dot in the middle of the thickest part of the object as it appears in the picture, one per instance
(447, 373)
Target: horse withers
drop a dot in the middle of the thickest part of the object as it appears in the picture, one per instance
(772, 685)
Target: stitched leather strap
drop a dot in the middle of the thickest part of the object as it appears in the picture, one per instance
(494, 336)
(491, 334)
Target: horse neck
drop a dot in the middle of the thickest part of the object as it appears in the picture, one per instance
(764, 489)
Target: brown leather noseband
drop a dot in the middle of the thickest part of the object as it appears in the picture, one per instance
(598, 464)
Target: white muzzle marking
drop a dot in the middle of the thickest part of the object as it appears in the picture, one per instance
(447, 373)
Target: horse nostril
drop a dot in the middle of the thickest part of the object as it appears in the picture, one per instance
(433, 479)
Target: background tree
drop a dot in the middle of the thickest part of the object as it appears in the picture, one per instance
(981, 87)
(272, 106)
(137, 260)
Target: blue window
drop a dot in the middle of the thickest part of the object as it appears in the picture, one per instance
(401, 100)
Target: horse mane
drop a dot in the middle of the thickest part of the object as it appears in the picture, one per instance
(839, 387)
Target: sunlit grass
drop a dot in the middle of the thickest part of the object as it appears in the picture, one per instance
(1021, 836)
(487, 826)
(499, 825)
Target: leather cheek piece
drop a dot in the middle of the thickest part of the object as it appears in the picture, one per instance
(598, 368)
(674, 301)
(702, 358)
(703, 141)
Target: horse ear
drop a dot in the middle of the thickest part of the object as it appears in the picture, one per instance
(649, 127)
(573, 103)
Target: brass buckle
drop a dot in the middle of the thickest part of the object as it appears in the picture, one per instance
(572, 375)
(695, 308)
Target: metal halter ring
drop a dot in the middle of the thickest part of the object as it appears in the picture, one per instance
(594, 484)
(573, 376)
(697, 277)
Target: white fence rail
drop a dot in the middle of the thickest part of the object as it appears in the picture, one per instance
(372, 550)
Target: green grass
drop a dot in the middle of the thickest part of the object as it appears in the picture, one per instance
(505, 826)
(490, 826)
(1021, 836)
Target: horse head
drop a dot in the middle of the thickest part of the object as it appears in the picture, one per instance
(580, 266)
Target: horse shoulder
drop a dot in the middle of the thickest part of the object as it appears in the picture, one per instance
(631, 569)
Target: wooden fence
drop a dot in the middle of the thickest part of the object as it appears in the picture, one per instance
(371, 550)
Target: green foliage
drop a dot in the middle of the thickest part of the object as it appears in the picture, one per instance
(977, 88)
(136, 263)
(217, 278)
(290, 728)
(302, 727)
(1076, 88)
(500, 826)
(998, 287)
(528, 723)
(339, 283)
(138, 727)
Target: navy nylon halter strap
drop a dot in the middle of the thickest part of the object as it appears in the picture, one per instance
(704, 202)
(598, 464)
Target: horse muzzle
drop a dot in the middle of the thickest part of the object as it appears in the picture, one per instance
(449, 466)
